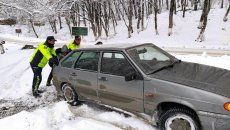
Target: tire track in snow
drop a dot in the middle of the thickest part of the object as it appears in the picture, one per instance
(93, 111)
(28, 103)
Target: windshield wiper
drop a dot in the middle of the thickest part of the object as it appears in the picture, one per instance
(164, 67)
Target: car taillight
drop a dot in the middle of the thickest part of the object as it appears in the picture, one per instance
(227, 106)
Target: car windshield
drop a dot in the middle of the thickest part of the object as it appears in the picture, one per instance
(150, 58)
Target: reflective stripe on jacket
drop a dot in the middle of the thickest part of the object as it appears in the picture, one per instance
(41, 55)
(71, 46)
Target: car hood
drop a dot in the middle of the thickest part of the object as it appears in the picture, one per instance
(208, 78)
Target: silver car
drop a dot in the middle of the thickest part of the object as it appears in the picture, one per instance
(145, 79)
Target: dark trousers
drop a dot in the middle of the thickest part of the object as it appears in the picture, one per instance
(50, 76)
(37, 77)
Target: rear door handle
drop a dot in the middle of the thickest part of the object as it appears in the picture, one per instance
(102, 78)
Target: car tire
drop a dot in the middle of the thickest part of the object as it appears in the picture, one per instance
(179, 119)
(70, 94)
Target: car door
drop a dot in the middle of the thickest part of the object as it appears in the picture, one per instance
(61, 73)
(85, 73)
(113, 88)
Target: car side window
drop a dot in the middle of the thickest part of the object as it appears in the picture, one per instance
(88, 61)
(69, 61)
(115, 63)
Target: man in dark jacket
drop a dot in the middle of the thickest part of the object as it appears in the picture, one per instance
(44, 52)
(60, 52)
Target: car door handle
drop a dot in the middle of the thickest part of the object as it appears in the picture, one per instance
(102, 78)
(73, 74)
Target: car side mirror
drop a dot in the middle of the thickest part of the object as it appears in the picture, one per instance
(130, 76)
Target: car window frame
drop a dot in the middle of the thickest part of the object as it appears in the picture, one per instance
(140, 77)
(71, 53)
(74, 65)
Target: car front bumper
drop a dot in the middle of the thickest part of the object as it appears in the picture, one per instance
(213, 121)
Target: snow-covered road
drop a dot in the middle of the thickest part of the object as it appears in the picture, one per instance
(21, 111)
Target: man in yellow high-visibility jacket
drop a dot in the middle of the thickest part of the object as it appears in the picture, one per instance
(74, 44)
(44, 52)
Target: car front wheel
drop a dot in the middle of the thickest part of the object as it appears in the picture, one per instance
(179, 119)
(70, 94)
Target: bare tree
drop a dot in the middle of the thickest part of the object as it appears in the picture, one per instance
(142, 15)
(222, 4)
(203, 20)
(226, 14)
(52, 20)
(139, 16)
(195, 4)
(60, 21)
(183, 7)
(172, 7)
(32, 24)
(83, 15)
(135, 8)
(130, 11)
(167, 4)
(129, 15)
(155, 16)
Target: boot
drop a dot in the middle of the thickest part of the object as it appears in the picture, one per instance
(40, 91)
(36, 94)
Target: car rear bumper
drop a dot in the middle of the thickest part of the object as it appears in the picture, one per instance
(213, 121)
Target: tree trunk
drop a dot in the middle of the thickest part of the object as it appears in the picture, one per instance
(172, 4)
(184, 9)
(55, 26)
(130, 14)
(98, 14)
(105, 24)
(135, 8)
(222, 4)
(139, 17)
(142, 15)
(32, 24)
(114, 23)
(83, 13)
(195, 4)
(167, 4)
(78, 17)
(90, 7)
(150, 7)
(161, 5)
(155, 14)
(225, 16)
(117, 9)
(203, 21)
(175, 7)
(50, 22)
(60, 22)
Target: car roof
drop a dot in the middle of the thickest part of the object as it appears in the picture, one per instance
(113, 46)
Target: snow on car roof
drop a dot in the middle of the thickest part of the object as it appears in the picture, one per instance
(112, 46)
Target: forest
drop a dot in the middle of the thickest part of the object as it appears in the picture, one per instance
(103, 16)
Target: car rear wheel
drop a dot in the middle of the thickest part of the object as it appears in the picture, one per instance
(70, 94)
(179, 119)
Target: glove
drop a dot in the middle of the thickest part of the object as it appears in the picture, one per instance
(51, 63)
(54, 61)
